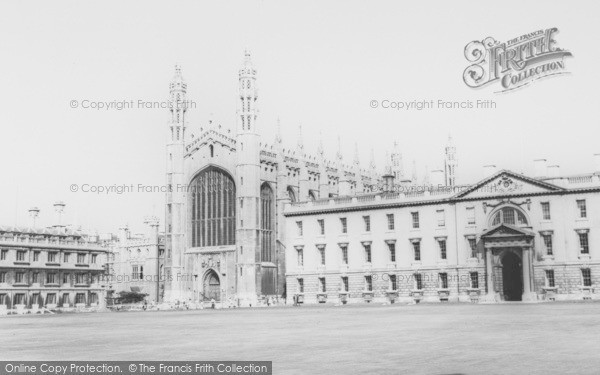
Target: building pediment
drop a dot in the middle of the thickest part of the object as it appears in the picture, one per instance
(507, 183)
(504, 231)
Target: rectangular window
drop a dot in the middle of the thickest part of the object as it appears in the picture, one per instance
(473, 247)
(19, 277)
(51, 278)
(3, 254)
(417, 250)
(301, 285)
(367, 220)
(582, 208)
(550, 278)
(415, 219)
(369, 283)
(2, 277)
(66, 258)
(135, 271)
(367, 253)
(390, 221)
(19, 299)
(36, 256)
(546, 210)
(80, 298)
(51, 298)
(344, 249)
(474, 280)
(81, 258)
(322, 285)
(344, 284)
(322, 254)
(392, 248)
(393, 282)
(299, 227)
(21, 256)
(344, 224)
(35, 277)
(586, 275)
(80, 278)
(418, 281)
(321, 227)
(548, 243)
(441, 218)
(470, 215)
(300, 256)
(583, 243)
(94, 258)
(52, 257)
(65, 278)
(442, 244)
(443, 280)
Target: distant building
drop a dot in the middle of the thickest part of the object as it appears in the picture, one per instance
(55, 267)
(137, 263)
(508, 237)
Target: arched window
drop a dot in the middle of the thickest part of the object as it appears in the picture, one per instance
(291, 194)
(212, 150)
(509, 215)
(311, 195)
(212, 195)
(267, 240)
(267, 223)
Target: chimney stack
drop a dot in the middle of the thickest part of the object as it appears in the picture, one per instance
(540, 168)
(437, 178)
(152, 223)
(34, 212)
(489, 170)
(59, 208)
(597, 163)
(553, 171)
(123, 234)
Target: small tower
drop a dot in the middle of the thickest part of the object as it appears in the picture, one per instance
(450, 163)
(248, 185)
(175, 208)
(397, 165)
(303, 179)
(323, 176)
(358, 182)
(344, 183)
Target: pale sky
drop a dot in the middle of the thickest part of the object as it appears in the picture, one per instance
(319, 64)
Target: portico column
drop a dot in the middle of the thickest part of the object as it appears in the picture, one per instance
(527, 294)
(490, 296)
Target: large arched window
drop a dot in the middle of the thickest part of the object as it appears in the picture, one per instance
(509, 215)
(212, 195)
(267, 223)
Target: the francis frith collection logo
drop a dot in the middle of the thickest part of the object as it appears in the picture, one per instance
(515, 63)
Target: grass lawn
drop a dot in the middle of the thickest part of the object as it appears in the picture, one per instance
(514, 338)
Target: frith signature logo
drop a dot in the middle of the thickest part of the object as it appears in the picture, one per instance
(515, 63)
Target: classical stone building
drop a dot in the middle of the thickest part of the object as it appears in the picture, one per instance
(225, 230)
(508, 237)
(56, 267)
(137, 263)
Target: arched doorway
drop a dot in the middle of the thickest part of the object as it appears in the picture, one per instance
(512, 277)
(212, 286)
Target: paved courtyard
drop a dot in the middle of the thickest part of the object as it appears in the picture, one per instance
(513, 338)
